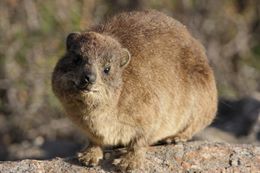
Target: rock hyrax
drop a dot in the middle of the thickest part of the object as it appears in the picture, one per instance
(134, 80)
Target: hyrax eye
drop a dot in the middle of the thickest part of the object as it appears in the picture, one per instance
(107, 69)
(77, 60)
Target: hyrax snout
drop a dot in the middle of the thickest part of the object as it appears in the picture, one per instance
(134, 80)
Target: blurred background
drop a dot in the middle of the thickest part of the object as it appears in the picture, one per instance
(32, 35)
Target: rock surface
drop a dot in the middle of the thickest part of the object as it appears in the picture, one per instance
(188, 157)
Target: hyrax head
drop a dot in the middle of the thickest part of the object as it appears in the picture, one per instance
(92, 65)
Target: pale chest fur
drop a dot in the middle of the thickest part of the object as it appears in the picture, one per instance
(109, 130)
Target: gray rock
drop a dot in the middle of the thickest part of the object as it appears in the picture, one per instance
(187, 157)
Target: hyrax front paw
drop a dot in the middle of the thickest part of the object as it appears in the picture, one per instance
(131, 162)
(90, 156)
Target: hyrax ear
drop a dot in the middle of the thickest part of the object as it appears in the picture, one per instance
(125, 59)
(71, 38)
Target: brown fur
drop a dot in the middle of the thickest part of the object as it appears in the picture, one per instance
(167, 91)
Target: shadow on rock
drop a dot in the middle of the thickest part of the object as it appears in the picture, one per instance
(239, 117)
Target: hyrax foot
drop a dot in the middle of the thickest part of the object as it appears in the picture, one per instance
(90, 156)
(131, 162)
(179, 139)
(173, 140)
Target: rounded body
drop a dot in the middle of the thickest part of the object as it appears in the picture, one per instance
(167, 90)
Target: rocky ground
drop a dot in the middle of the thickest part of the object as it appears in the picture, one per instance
(189, 157)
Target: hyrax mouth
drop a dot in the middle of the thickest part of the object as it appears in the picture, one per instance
(84, 87)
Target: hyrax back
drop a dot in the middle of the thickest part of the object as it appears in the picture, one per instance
(138, 78)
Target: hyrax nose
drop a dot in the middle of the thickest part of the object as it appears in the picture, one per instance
(90, 78)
